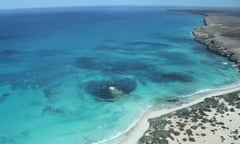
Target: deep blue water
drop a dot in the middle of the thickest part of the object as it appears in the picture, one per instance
(82, 75)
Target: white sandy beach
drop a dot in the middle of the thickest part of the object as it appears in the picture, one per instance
(138, 130)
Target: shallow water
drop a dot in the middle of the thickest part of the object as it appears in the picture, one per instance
(57, 66)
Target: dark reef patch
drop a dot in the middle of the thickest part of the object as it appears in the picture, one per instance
(133, 47)
(52, 92)
(9, 56)
(172, 100)
(87, 62)
(138, 68)
(146, 44)
(130, 66)
(9, 37)
(115, 66)
(141, 69)
(125, 85)
(4, 96)
(180, 40)
(101, 89)
(7, 140)
(176, 58)
(176, 77)
(54, 111)
(8, 52)
(171, 77)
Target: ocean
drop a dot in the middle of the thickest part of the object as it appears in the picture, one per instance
(85, 75)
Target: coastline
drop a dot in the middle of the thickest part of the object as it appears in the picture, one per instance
(142, 125)
(80, 118)
(220, 33)
(222, 37)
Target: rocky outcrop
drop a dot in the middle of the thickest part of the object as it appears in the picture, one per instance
(110, 90)
(210, 40)
(213, 35)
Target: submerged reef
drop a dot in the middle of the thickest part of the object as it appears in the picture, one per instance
(10, 37)
(113, 65)
(14, 139)
(57, 111)
(160, 77)
(52, 92)
(8, 52)
(140, 69)
(6, 140)
(8, 56)
(4, 96)
(108, 90)
(169, 77)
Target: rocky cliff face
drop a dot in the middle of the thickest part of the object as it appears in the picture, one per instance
(221, 34)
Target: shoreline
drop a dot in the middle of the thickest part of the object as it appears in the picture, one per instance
(220, 33)
(142, 125)
(224, 44)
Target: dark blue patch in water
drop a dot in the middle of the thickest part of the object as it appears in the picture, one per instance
(160, 77)
(6, 56)
(107, 47)
(6, 140)
(100, 89)
(172, 100)
(145, 44)
(176, 77)
(126, 85)
(3, 98)
(116, 66)
(12, 56)
(130, 66)
(134, 47)
(51, 92)
(86, 62)
(140, 69)
(176, 58)
(8, 52)
(9, 37)
(54, 111)
(180, 40)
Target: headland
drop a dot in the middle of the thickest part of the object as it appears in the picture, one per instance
(212, 117)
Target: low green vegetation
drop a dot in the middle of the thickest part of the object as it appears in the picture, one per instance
(163, 128)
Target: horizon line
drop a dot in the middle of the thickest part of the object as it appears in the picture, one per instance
(111, 6)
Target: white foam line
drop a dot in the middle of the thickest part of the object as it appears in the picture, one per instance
(122, 132)
(135, 130)
(138, 130)
(204, 91)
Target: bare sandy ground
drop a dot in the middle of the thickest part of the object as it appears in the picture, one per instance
(142, 128)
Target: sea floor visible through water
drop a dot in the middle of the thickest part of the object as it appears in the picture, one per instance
(58, 67)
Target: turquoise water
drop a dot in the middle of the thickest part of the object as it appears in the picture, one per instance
(57, 67)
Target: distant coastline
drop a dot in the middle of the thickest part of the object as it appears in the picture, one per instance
(220, 33)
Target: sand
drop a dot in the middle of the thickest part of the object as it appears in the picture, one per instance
(214, 116)
(139, 131)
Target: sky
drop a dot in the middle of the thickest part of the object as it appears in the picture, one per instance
(15, 4)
